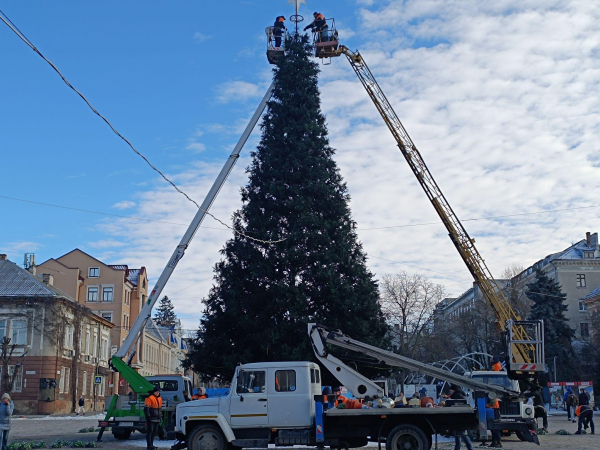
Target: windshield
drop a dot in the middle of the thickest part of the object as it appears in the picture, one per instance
(498, 380)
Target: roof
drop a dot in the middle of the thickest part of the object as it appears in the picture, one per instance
(594, 293)
(132, 276)
(18, 282)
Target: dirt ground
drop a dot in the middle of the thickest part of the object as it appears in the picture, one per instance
(67, 428)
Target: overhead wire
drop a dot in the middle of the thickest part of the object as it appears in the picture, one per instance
(22, 36)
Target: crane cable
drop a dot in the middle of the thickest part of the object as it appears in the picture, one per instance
(18, 32)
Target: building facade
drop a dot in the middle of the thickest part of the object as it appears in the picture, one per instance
(60, 349)
(117, 293)
(577, 270)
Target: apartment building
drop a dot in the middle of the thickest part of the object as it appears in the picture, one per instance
(61, 348)
(577, 270)
(117, 293)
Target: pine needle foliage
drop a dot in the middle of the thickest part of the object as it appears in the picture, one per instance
(265, 295)
(165, 313)
(549, 306)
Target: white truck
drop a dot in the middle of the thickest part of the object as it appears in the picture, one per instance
(282, 403)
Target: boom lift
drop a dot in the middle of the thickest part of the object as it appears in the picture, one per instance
(121, 361)
(524, 340)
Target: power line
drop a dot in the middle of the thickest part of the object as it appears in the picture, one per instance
(482, 218)
(101, 213)
(18, 32)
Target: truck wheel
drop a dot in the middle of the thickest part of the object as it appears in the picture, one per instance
(407, 437)
(122, 435)
(520, 435)
(207, 437)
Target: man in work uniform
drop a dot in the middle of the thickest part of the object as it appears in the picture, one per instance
(586, 417)
(493, 414)
(278, 28)
(319, 25)
(456, 393)
(153, 413)
(496, 366)
(535, 391)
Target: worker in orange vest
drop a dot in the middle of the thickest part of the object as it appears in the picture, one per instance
(153, 413)
(319, 25)
(339, 398)
(496, 366)
(278, 28)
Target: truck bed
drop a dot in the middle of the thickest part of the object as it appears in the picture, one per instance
(464, 409)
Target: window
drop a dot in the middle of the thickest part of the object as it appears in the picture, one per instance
(251, 382)
(67, 379)
(69, 337)
(285, 380)
(589, 255)
(94, 272)
(84, 385)
(107, 294)
(95, 345)
(582, 306)
(580, 280)
(19, 332)
(144, 284)
(92, 383)
(2, 328)
(87, 342)
(168, 386)
(92, 293)
(18, 383)
(585, 329)
(104, 349)
(107, 315)
(317, 376)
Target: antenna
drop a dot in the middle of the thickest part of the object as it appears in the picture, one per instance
(296, 17)
(29, 260)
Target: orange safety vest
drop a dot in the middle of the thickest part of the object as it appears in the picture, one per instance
(578, 410)
(154, 402)
(281, 19)
(496, 405)
(497, 367)
(320, 16)
(340, 399)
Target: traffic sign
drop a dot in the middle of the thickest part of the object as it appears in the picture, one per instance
(98, 379)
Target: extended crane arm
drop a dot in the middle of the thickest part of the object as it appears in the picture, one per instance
(145, 313)
(526, 353)
(361, 387)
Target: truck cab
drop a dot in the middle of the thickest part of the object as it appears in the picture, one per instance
(264, 397)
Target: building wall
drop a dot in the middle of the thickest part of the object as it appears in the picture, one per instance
(64, 278)
(51, 342)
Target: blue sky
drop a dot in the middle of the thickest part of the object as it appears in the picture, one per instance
(501, 99)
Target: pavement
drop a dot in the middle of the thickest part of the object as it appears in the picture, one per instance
(50, 428)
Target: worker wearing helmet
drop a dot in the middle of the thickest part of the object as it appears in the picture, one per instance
(278, 28)
(496, 366)
(319, 25)
(153, 413)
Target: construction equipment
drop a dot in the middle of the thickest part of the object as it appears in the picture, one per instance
(524, 340)
(122, 358)
(275, 52)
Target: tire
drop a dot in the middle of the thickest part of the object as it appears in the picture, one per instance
(520, 435)
(123, 435)
(407, 437)
(207, 437)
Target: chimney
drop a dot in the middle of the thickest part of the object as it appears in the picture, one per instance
(48, 279)
(594, 241)
(587, 239)
(2, 256)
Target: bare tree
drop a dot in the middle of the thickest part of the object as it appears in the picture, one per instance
(407, 302)
(515, 290)
(6, 353)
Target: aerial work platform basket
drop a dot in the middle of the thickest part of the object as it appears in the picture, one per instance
(275, 44)
(325, 40)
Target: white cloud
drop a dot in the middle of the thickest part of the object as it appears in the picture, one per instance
(15, 250)
(125, 204)
(201, 37)
(196, 147)
(504, 111)
(237, 90)
(102, 244)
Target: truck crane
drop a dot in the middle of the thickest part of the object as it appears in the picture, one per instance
(124, 416)
(523, 339)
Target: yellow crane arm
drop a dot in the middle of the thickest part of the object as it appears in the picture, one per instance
(459, 236)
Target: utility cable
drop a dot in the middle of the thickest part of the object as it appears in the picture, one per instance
(9, 23)
(482, 218)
